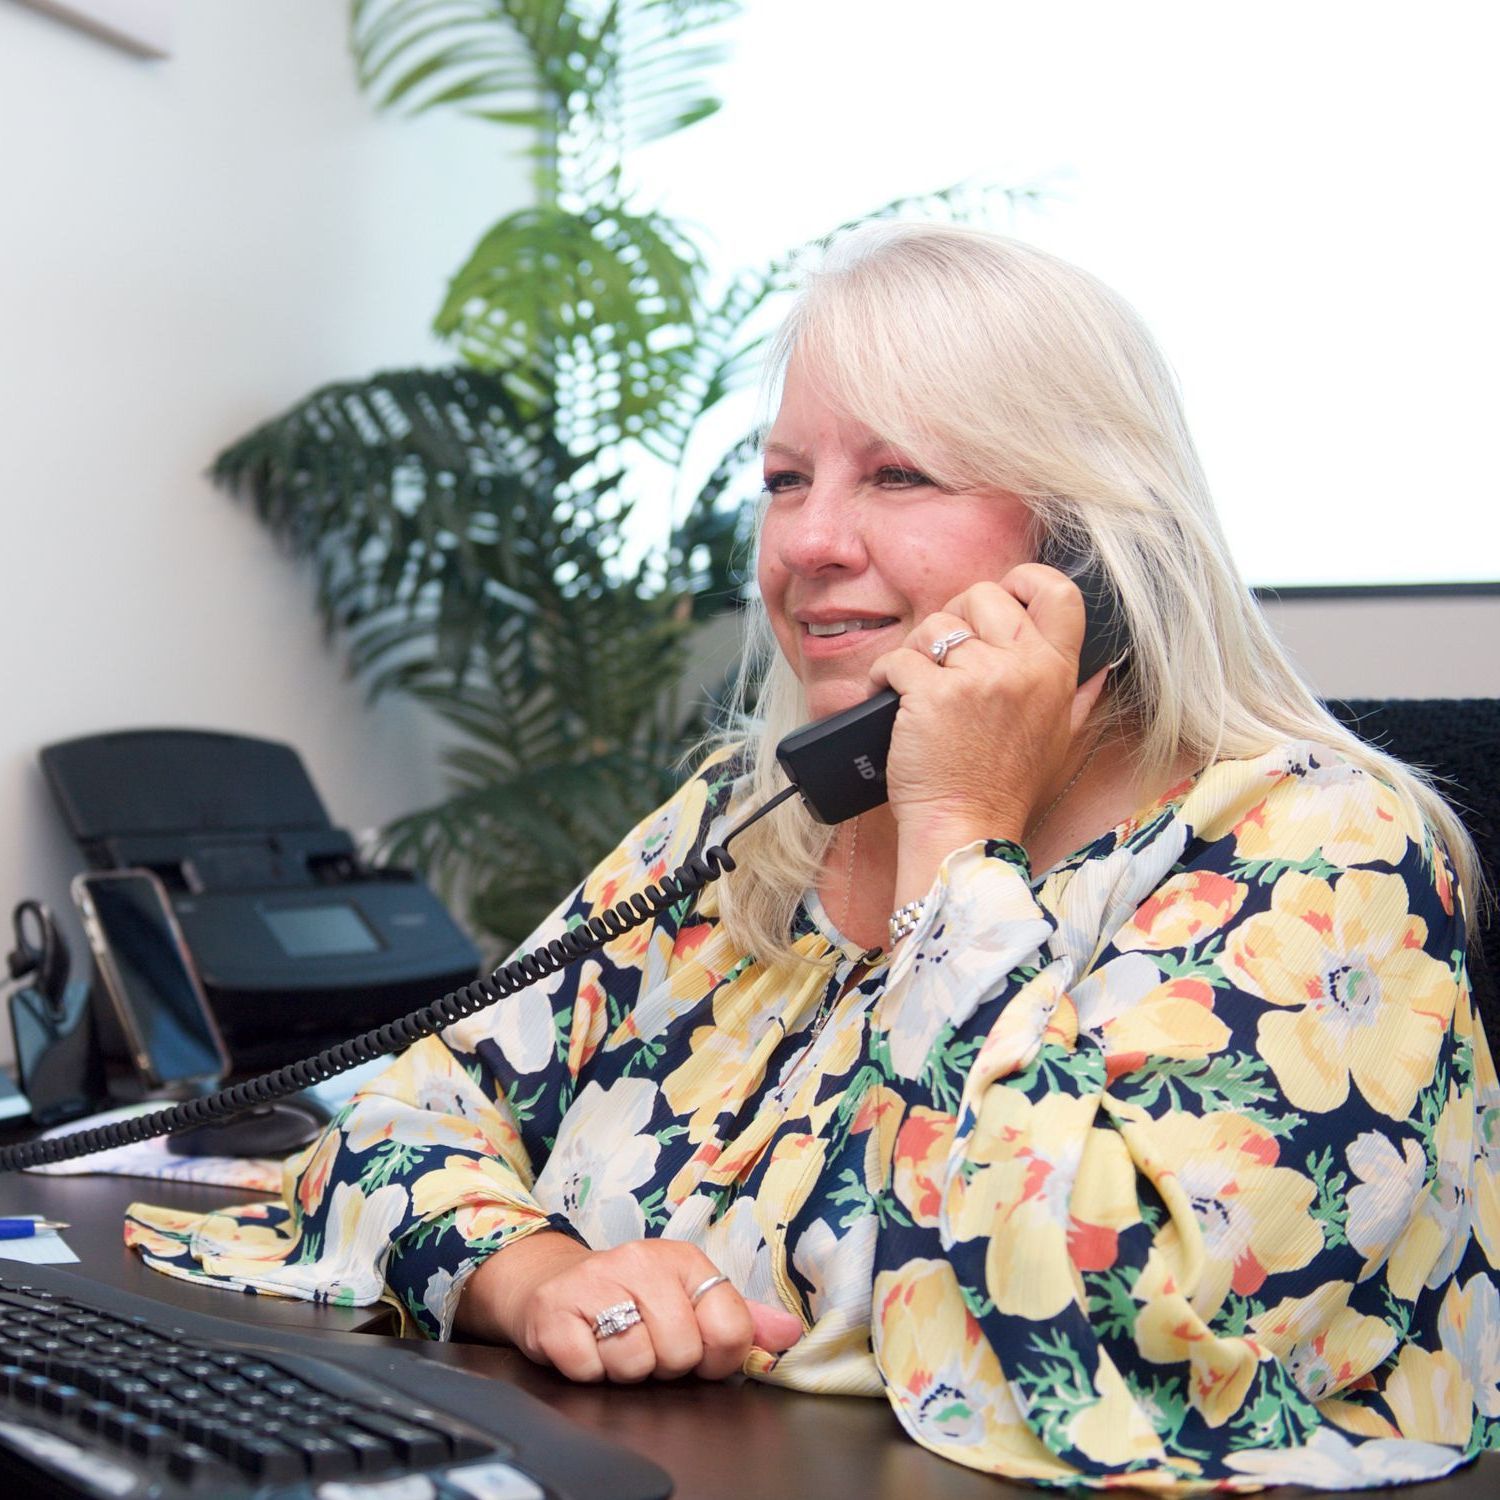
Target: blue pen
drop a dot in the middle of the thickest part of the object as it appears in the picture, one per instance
(20, 1229)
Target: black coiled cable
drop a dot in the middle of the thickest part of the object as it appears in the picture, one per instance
(697, 871)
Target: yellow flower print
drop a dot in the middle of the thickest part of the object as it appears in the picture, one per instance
(652, 849)
(1183, 911)
(1469, 1328)
(1134, 1012)
(590, 1017)
(1237, 1216)
(791, 1174)
(1353, 1417)
(1113, 1429)
(690, 1173)
(313, 1182)
(1487, 1149)
(235, 1234)
(878, 1119)
(486, 1194)
(167, 1220)
(1433, 1243)
(720, 1070)
(921, 1159)
(1430, 1397)
(1104, 1202)
(1324, 1346)
(943, 1379)
(1028, 1158)
(142, 1234)
(1170, 1330)
(1340, 812)
(1363, 1000)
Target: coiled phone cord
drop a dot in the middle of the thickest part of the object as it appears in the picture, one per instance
(697, 871)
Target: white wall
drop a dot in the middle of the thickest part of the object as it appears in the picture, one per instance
(187, 247)
(1394, 647)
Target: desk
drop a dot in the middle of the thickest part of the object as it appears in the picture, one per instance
(719, 1441)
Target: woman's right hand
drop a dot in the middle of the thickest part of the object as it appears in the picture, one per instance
(543, 1293)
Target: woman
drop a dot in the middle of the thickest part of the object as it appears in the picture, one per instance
(1110, 1100)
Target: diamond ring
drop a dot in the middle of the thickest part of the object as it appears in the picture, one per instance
(616, 1319)
(940, 648)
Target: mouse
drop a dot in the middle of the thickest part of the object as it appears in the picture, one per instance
(274, 1129)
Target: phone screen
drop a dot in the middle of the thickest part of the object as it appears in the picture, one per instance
(162, 1003)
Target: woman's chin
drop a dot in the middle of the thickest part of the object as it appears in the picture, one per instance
(827, 697)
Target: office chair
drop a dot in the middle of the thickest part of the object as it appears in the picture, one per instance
(1458, 740)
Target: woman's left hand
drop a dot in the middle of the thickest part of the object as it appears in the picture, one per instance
(981, 740)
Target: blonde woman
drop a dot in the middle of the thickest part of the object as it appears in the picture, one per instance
(1110, 1101)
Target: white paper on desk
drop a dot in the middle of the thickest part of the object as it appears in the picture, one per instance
(152, 1159)
(45, 1249)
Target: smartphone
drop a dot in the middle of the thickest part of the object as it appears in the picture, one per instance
(149, 976)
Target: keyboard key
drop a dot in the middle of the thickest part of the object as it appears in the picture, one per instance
(188, 1462)
(117, 1425)
(151, 1439)
(91, 1414)
(324, 1458)
(418, 1446)
(61, 1400)
(267, 1459)
(372, 1454)
(99, 1379)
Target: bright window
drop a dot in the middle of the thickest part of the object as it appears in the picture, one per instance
(1296, 196)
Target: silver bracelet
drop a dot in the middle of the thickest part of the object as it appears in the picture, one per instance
(904, 920)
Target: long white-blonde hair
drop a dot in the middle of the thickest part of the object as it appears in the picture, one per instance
(994, 365)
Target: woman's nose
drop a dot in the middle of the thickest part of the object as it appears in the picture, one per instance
(824, 532)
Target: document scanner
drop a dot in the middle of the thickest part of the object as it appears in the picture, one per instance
(298, 942)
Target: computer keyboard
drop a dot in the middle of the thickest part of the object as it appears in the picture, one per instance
(103, 1393)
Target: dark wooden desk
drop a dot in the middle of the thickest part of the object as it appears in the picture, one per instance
(730, 1441)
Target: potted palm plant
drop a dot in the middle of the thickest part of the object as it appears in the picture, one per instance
(464, 524)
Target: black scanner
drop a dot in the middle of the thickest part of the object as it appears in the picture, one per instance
(298, 942)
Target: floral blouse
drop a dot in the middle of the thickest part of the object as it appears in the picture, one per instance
(1178, 1167)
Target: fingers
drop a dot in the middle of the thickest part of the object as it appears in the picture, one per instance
(727, 1331)
(1051, 603)
(775, 1328)
(672, 1338)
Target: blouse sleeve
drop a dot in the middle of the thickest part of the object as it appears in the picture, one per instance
(1192, 1186)
(429, 1169)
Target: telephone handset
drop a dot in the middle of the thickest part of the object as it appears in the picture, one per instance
(838, 766)
(838, 763)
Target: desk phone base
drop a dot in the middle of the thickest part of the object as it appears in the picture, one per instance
(103, 1393)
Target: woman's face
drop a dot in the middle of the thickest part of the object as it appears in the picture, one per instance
(857, 546)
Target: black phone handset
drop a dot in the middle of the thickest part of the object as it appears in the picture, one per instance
(837, 765)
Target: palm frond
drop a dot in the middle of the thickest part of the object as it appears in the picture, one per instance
(630, 68)
(591, 309)
(439, 515)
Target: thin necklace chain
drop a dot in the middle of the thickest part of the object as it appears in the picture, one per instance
(849, 875)
(1052, 806)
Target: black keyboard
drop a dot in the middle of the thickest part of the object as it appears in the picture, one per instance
(103, 1393)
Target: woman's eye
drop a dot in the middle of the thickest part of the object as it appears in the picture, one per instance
(895, 477)
(782, 479)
